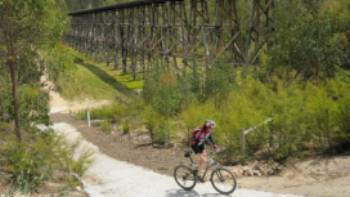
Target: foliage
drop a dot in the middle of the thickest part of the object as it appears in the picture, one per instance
(106, 126)
(161, 134)
(60, 62)
(5, 101)
(38, 158)
(305, 42)
(112, 113)
(34, 104)
(22, 18)
(20, 45)
(126, 128)
(163, 92)
(151, 119)
(218, 81)
(158, 126)
(27, 29)
(344, 120)
(306, 116)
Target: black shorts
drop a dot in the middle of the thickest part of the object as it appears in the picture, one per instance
(198, 149)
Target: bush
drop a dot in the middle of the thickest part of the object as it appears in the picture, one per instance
(38, 158)
(151, 119)
(126, 128)
(306, 42)
(34, 105)
(162, 91)
(308, 117)
(106, 126)
(60, 61)
(162, 133)
(218, 81)
(113, 112)
(344, 121)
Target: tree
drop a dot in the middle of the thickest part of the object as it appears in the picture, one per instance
(26, 27)
(305, 39)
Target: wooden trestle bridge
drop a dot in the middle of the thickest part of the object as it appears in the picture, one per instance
(181, 34)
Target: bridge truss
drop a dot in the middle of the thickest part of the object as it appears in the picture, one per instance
(186, 35)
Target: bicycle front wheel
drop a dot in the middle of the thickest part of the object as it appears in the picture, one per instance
(185, 177)
(223, 181)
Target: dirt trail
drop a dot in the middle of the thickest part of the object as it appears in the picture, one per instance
(60, 105)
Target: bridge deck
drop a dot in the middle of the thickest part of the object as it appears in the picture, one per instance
(120, 6)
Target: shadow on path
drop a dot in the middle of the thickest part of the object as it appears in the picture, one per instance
(183, 193)
(107, 78)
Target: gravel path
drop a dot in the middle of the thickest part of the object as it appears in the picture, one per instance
(108, 177)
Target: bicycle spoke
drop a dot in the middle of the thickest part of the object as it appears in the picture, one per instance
(223, 181)
(184, 177)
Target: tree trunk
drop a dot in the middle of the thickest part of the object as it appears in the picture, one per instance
(11, 63)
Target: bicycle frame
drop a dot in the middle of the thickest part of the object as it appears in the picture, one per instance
(211, 164)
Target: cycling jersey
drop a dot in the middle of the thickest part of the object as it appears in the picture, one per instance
(200, 137)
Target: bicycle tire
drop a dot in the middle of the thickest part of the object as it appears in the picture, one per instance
(189, 172)
(219, 172)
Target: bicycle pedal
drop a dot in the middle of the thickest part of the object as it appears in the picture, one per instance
(200, 179)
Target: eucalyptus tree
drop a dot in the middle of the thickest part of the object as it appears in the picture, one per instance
(306, 37)
(25, 28)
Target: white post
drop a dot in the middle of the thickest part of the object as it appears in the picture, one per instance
(88, 119)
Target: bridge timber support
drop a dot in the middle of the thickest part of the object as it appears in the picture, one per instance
(185, 35)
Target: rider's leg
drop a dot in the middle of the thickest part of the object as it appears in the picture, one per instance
(202, 160)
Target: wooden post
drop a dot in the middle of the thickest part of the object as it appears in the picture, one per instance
(88, 118)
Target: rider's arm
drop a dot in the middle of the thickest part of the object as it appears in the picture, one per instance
(211, 142)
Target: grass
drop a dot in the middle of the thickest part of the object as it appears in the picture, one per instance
(82, 83)
(86, 78)
(125, 79)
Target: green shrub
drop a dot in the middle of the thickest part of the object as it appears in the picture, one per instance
(34, 105)
(5, 99)
(344, 120)
(162, 91)
(309, 45)
(308, 117)
(60, 61)
(126, 128)
(38, 157)
(162, 133)
(106, 126)
(112, 113)
(218, 82)
(157, 125)
(151, 120)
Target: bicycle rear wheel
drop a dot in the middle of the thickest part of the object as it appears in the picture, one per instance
(185, 177)
(223, 181)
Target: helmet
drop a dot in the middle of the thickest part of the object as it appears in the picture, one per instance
(209, 124)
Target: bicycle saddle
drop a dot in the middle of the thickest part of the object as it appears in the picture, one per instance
(187, 153)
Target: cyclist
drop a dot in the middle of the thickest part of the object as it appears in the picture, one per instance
(200, 137)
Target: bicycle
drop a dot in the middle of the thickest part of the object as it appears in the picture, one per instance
(221, 179)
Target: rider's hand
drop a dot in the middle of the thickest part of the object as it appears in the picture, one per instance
(216, 147)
